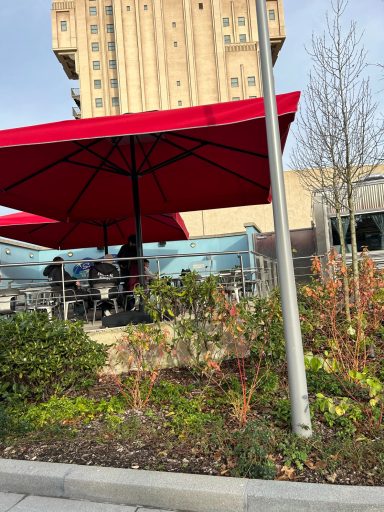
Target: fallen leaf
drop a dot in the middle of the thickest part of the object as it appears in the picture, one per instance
(286, 473)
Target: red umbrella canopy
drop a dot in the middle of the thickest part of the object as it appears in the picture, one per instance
(210, 156)
(71, 235)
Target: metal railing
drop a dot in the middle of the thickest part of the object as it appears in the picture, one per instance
(253, 274)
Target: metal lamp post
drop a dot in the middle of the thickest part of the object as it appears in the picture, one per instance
(300, 416)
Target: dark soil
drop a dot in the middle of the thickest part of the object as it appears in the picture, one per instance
(149, 440)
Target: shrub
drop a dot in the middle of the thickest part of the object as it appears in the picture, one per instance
(39, 357)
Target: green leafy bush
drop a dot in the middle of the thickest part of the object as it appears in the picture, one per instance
(39, 358)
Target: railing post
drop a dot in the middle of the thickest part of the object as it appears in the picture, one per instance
(242, 273)
(63, 288)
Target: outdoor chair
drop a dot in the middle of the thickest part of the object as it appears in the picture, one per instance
(104, 294)
(232, 284)
(70, 301)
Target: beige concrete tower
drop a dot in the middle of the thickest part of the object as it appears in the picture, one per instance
(139, 55)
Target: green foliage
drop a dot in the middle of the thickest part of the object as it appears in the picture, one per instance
(295, 451)
(282, 411)
(340, 413)
(65, 410)
(323, 382)
(264, 326)
(252, 448)
(41, 357)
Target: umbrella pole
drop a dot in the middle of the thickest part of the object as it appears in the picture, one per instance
(105, 233)
(136, 204)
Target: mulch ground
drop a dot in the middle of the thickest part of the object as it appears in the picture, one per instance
(146, 441)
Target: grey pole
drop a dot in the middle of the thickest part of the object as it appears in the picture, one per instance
(300, 417)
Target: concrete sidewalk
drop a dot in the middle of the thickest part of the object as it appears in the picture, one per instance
(77, 488)
(22, 503)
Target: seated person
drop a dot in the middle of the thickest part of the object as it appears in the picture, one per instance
(103, 274)
(55, 274)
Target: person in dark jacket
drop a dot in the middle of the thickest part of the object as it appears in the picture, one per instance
(129, 269)
(104, 275)
(55, 274)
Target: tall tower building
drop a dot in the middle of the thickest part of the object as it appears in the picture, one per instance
(139, 55)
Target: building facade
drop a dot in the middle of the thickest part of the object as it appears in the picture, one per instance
(141, 55)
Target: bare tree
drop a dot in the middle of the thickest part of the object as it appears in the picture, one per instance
(337, 132)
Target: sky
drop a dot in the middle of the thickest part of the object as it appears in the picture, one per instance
(34, 88)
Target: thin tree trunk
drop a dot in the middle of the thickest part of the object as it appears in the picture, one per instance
(344, 262)
(355, 262)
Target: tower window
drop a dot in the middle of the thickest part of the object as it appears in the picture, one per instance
(241, 21)
(98, 102)
(128, 7)
(271, 14)
(225, 22)
(115, 101)
(145, 7)
(96, 64)
(180, 103)
(63, 26)
(112, 64)
(110, 28)
(111, 46)
(108, 10)
(178, 83)
(243, 38)
(234, 82)
(173, 24)
(175, 44)
(93, 11)
(251, 81)
(95, 47)
(236, 98)
(114, 83)
(201, 6)
(97, 84)
(94, 29)
(227, 39)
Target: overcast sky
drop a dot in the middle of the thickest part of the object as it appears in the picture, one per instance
(34, 88)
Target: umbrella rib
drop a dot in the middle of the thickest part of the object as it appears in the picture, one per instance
(146, 159)
(217, 144)
(98, 168)
(229, 171)
(43, 169)
(129, 169)
(174, 159)
(104, 159)
(77, 199)
(146, 156)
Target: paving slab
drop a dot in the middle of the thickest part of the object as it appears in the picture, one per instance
(8, 500)
(44, 504)
(141, 509)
